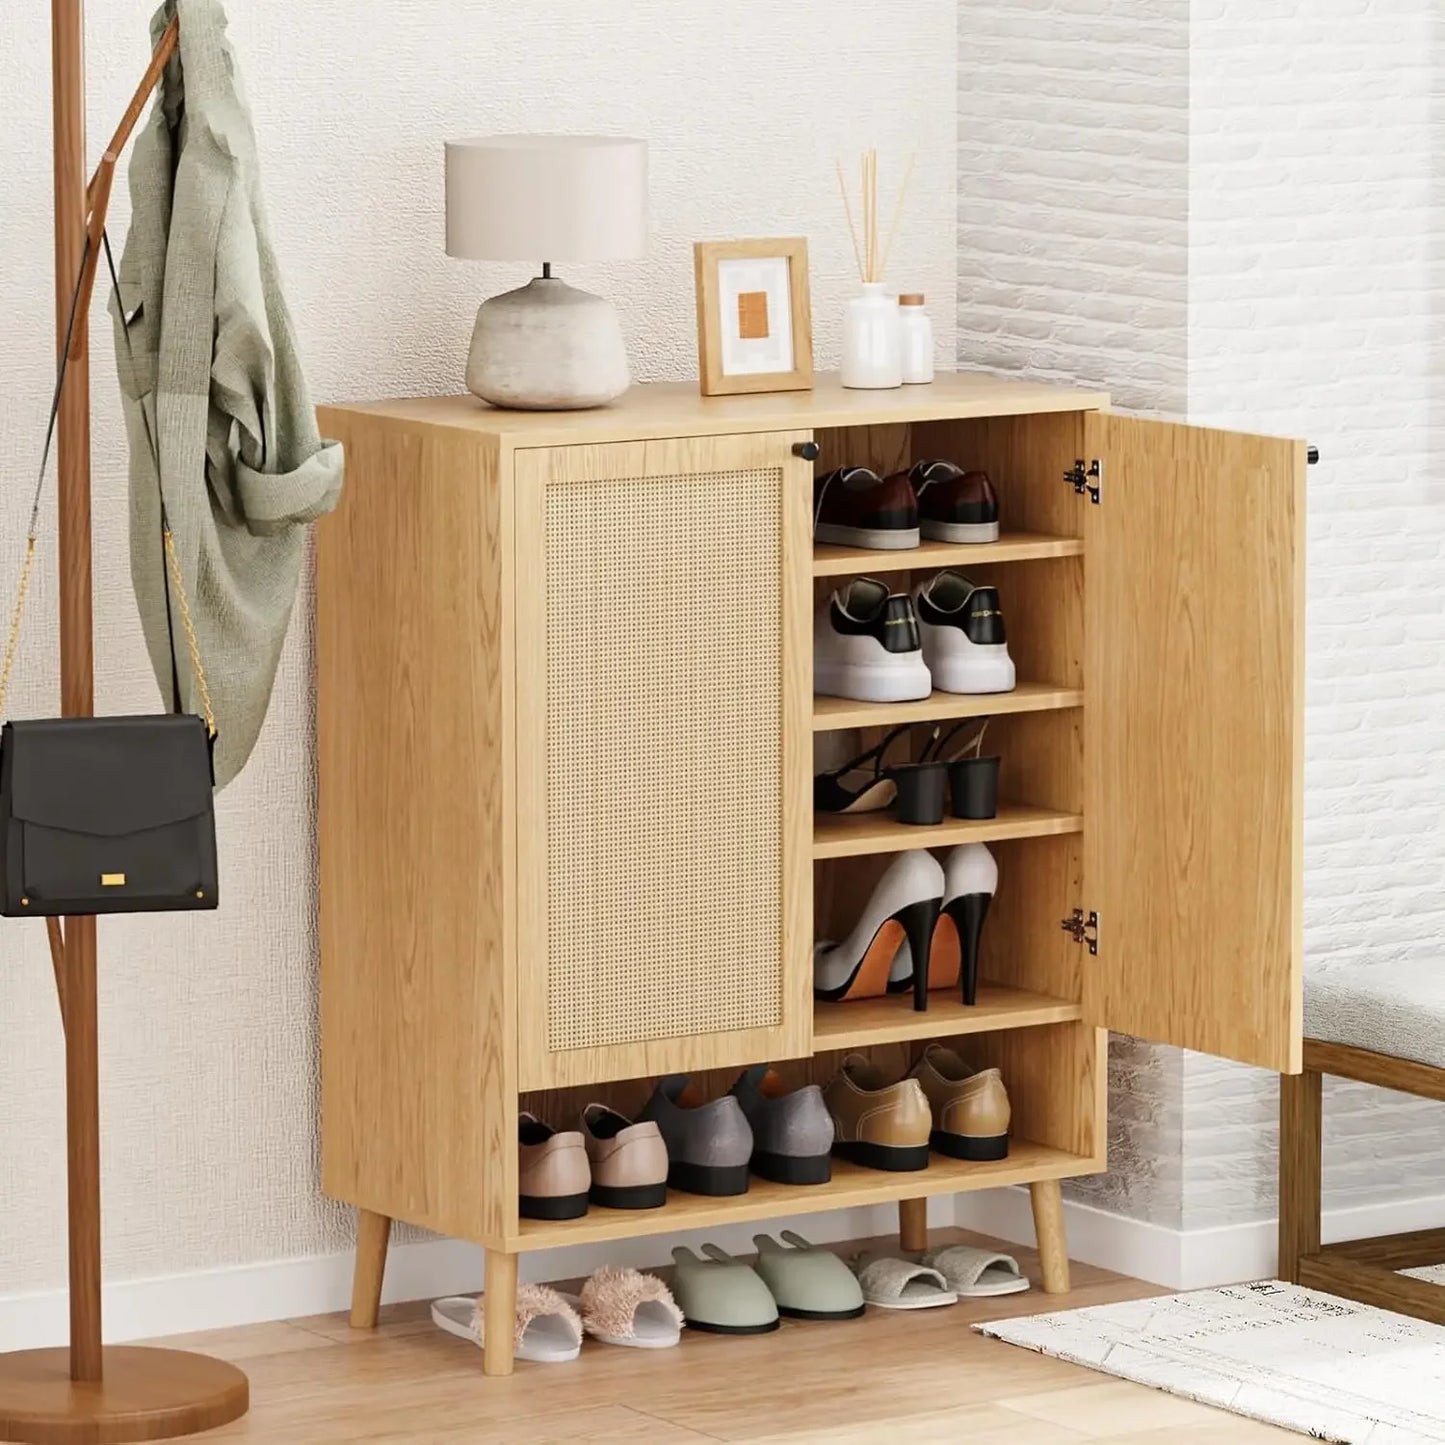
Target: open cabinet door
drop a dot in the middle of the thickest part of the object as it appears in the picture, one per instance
(1194, 676)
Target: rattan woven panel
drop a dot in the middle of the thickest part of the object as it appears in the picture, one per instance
(664, 692)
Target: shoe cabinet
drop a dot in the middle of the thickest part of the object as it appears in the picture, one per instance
(566, 731)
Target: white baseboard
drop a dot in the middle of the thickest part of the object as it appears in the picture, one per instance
(1179, 1259)
(287, 1289)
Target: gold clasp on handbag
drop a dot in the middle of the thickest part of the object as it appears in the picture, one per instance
(112, 880)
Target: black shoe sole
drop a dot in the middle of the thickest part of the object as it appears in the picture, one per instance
(793, 1168)
(964, 1146)
(552, 1206)
(629, 1196)
(714, 1179)
(895, 1158)
(821, 1314)
(708, 1329)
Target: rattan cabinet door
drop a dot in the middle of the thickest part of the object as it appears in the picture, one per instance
(663, 745)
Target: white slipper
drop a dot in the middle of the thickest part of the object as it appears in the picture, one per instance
(548, 1330)
(976, 1273)
(622, 1306)
(900, 1284)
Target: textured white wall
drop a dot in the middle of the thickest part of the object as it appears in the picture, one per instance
(208, 1023)
(1236, 209)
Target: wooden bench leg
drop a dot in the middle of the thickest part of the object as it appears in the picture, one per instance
(373, 1234)
(499, 1313)
(913, 1225)
(1053, 1243)
(1299, 1170)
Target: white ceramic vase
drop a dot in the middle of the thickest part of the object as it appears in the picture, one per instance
(872, 340)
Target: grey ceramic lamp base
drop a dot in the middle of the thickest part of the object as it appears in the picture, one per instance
(547, 347)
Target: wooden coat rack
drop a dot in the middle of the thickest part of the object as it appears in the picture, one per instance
(89, 1394)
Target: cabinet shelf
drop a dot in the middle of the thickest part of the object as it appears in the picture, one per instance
(832, 713)
(853, 837)
(830, 561)
(850, 1186)
(892, 1020)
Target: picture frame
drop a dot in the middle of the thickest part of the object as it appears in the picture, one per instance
(754, 316)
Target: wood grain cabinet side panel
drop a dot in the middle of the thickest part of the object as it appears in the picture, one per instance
(414, 733)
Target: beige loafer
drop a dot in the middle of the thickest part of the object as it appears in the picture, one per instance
(553, 1175)
(628, 1161)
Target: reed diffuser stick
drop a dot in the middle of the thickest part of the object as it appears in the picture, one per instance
(873, 214)
(870, 258)
(863, 202)
(848, 211)
(897, 212)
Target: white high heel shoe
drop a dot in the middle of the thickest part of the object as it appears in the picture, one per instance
(970, 881)
(901, 912)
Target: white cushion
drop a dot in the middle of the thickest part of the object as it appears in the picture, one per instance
(1396, 1009)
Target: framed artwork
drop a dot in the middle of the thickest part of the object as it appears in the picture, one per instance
(754, 317)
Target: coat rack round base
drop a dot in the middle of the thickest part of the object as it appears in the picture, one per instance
(145, 1395)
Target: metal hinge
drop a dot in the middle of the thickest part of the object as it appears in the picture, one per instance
(1087, 477)
(1083, 928)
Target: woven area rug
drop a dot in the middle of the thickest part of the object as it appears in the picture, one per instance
(1293, 1357)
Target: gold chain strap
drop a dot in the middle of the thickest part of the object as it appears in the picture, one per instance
(12, 642)
(190, 630)
(171, 559)
(15, 618)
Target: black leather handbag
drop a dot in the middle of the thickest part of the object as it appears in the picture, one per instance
(107, 815)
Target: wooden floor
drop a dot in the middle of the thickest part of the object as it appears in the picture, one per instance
(882, 1379)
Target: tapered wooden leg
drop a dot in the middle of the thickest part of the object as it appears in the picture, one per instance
(913, 1225)
(499, 1313)
(1048, 1205)
(1299, 1170)
(373, 1234)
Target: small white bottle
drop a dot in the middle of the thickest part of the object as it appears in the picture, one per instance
(917, 338)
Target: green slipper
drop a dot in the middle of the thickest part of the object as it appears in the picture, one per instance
(721, 1294)
(808, 1283)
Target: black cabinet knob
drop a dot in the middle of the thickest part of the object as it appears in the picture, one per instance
(1312, 456)
(807, 450)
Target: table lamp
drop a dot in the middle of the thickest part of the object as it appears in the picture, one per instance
(547, 198)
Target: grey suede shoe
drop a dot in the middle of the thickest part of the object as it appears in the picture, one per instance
(708, 1144)
(792, 1131)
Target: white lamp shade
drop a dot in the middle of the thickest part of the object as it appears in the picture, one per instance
(547, 198)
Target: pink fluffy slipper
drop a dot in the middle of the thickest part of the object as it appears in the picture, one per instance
(622, 1306)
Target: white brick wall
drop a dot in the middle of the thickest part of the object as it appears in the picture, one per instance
(1072, 193)
(1270, 163)
(1072, 265)
(1316, 236)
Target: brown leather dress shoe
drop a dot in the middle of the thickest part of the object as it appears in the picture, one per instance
(877, 1124)
(855, 507)
(970, 1110)
(954, 505)
(552, 1171)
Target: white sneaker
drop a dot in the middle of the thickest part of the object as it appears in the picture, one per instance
(962, 632)
(866, 645)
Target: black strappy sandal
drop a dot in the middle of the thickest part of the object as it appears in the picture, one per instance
(856, 787)
(972, 778)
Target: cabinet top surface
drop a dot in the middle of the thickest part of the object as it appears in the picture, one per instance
(656, 409)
